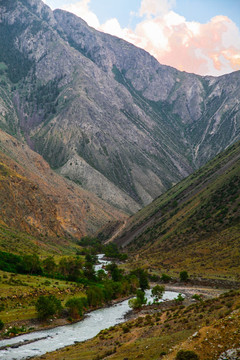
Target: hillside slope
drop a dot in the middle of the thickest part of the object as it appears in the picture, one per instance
(105, 113)
(195, 225)
(37, 201)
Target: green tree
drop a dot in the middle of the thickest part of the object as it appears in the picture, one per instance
(179, 299)
(49, 265)
(183, 276)
(32, 264)
(47, 306)
(166, 278)
(143, 278)
(138, 301)
(76, 305)
(116, 273)
(157, 292)
(95, 296)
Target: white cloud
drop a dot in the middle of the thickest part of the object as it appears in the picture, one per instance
(212, 48)
(81, 9)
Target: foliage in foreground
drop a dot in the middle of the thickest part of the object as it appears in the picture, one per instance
(47, 306)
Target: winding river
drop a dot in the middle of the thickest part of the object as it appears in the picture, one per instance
(40, 342)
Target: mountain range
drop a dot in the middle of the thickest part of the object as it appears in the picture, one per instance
(103, 112)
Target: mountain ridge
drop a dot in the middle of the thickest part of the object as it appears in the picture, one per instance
(113, 112)
(195, 219)
(36, 201)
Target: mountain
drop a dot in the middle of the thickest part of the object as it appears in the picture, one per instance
(39, 206)
(194, 226)
(103, 112)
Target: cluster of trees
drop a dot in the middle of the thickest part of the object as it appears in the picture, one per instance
(93, 245)
(105, 288)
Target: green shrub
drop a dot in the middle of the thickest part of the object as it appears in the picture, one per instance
(157, 292)
(187, 355)
(76, 305)
(183, 276)
(1, 324)
(166, 278)
(47, 306)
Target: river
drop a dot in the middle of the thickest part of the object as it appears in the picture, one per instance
(53, 339)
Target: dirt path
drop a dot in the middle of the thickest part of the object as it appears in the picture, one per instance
(118, 231)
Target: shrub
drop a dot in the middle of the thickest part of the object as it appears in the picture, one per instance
(183, 276)
(157, 292)
(47, 306)
(187, 355)
(76, 305)
(166, 278)
(1, 325)
(179, 299)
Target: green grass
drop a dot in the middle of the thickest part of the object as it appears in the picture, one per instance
(18, 294)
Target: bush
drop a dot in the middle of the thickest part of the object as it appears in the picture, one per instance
(183, 276)
(76, 305)
(47, 306)
(187, 355)
(157, 292)
(179, 299)
(136, 303)
(1, 325)
(166, 278)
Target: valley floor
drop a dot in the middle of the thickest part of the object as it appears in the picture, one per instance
(209, 327)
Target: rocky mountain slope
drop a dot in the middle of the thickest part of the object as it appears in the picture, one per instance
(35, 200)
(105, 113)
(195, 225)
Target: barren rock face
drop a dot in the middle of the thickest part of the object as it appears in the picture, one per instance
(129, 126)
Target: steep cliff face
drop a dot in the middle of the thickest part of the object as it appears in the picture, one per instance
(105, 113)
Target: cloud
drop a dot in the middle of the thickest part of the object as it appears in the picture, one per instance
(82, 10)
(206, 49)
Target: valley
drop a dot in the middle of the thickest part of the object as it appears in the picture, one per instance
(119, 198)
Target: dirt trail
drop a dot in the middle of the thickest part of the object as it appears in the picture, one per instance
(118, 231)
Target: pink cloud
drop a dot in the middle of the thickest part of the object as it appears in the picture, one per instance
(206, 49)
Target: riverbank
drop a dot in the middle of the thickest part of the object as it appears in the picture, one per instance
(208, 328)
(34, 325)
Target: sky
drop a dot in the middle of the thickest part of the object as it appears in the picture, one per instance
(199, 36)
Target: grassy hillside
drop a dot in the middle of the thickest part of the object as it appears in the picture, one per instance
(194, 226)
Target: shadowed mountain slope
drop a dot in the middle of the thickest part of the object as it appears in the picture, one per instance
(195, 225)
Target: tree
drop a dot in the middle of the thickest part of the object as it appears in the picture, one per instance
(116, 273)
(179, 299)
(49, 265)
(95, 296)
(157, 292)
(166, 278)
(187, 355)
(31, 264)
(143, 278)
(47, 306)
(76, 305)
(183, 276)
(139, 301)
